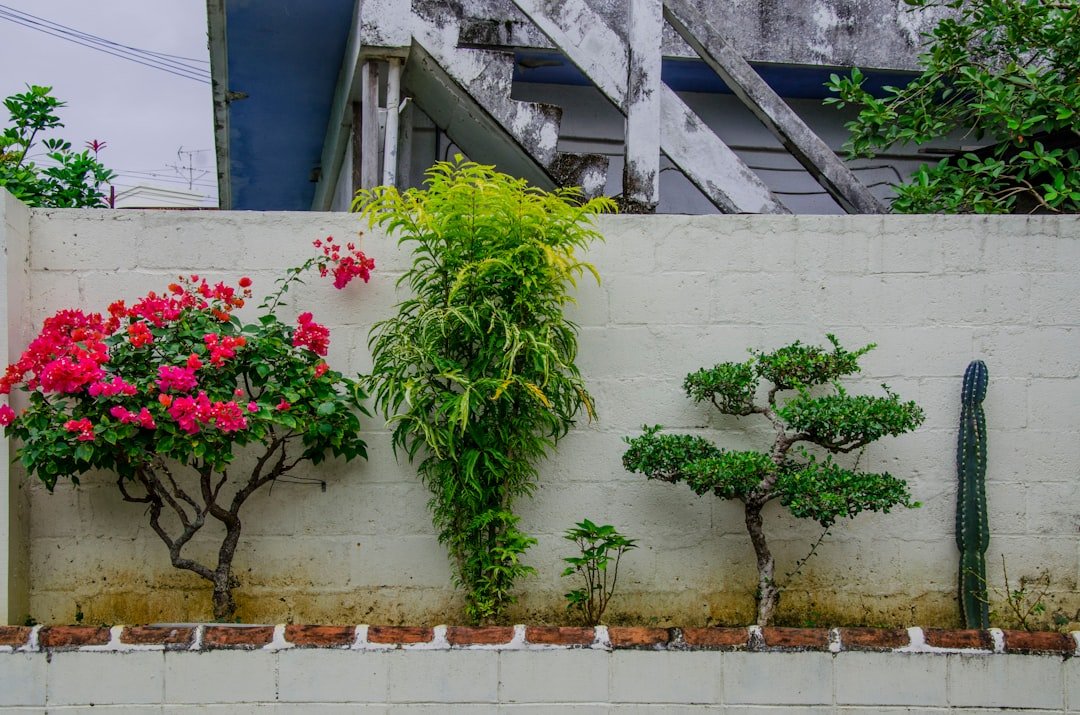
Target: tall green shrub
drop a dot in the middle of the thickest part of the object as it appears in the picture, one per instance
(476, 371)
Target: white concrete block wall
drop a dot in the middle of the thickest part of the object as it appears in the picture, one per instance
(533, 680)
(679, 293)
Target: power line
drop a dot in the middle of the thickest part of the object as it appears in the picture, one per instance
(147, 58)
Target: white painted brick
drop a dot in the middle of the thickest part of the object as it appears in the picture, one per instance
(802, 710)
(761, 299)
(680, 298)
(275, 709)
(669, 677)
(332, 676)
(548, 708)
(553, 676)
(1006, 681)
(98, 678)
(750, 678)
(1049, 508)
(463, 676)
(1054, 299)
(220, 677)
(890, 679)
(22, 679)
(410, 561)
(1031, 351)
(441, 708)
(1054, 404)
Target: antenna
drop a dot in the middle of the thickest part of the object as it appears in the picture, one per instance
(186, 170)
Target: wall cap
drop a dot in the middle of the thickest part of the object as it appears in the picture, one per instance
(203, 637)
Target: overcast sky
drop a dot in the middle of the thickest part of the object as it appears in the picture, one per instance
(144, 114)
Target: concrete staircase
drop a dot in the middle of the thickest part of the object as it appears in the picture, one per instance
(466, 92)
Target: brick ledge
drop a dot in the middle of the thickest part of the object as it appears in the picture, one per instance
(24, 639)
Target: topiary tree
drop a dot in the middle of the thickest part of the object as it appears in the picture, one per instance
(476, 371)
(1005, 73)
(809, 486)
(168, 393)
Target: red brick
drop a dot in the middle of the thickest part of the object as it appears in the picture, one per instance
(716, 638)
(637, 637)
(1040, 642)
(157, 635)
(560, 635)
(320, 636)
(796, 638)
(14, 636)
(247, 637)
(72, 636)
(874, 638)
(399, 634)
(487, 635)
(941, 638)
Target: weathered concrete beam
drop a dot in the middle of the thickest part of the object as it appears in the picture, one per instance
(591, 44)
(339, 126)
(806, 146)
(641, 170)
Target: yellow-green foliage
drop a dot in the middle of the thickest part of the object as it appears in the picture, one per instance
(476, 371)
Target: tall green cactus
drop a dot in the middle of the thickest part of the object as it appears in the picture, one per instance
(972, 523)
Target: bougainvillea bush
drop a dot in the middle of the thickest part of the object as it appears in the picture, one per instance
(170, 392)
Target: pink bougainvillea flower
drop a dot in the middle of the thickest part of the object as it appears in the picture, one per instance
(252, 407)
(176, 379)
(145, 419)
(194, 362)
(84, 427)
(115, 387)
(244, 282)
(228, 416)
(311, 335)
(139, 335)
(283, 405)
(353, 264)
(321, 369)
(7, 415)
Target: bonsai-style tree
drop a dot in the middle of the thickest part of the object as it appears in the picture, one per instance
(476, 371)
(71, 180)
(166, 393)
(810, 487)
(1005, 73)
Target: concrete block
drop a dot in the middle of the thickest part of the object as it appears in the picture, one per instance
(1026, 351)
(332, 676)
(1054, 404)
(220, 677)
(890, 679)
(401, 561)
(1054, 299)
(779, 710)
(665, 298)
(98, 678)
(1071, 672)
(669, 677)
(750, 678)
(440, 709)
(274, 709)
(1006, 681)
(467, 676)
(22, 679)
(553, 676)
(770, 299)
